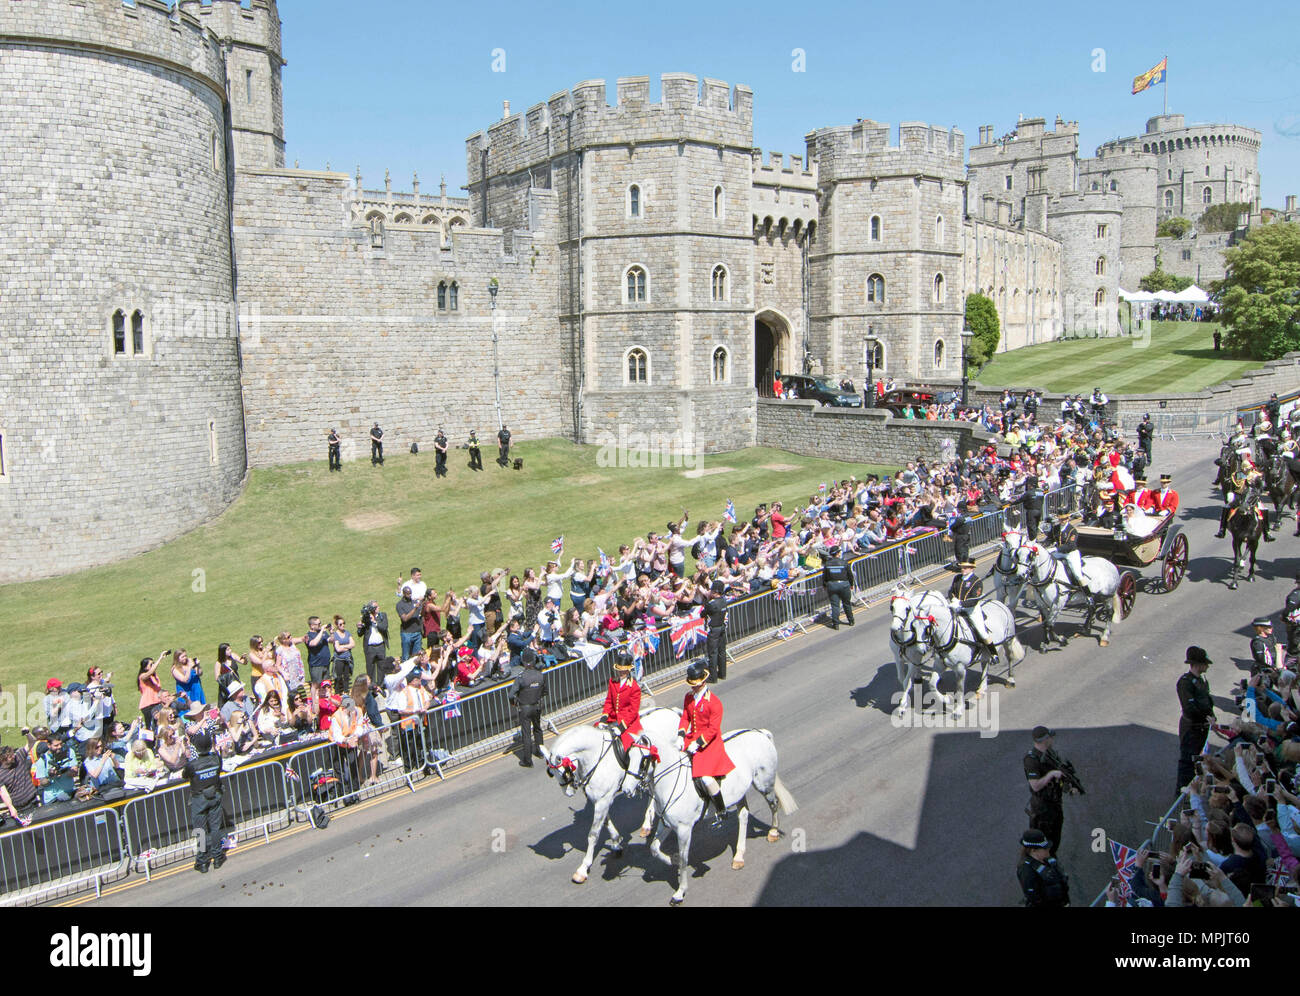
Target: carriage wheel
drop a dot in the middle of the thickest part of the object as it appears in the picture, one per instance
(1127, 593)
(1175, 562)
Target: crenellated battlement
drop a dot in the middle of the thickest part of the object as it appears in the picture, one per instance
(1085, 202)
(689, 110)
(780, 171)
(146, 29)
(257, 24)
(865, 148)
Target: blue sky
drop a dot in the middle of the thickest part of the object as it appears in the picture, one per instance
(400, 84)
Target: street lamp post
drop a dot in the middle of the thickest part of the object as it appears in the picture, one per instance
(870, 344)
(966, 334)
(496, 369)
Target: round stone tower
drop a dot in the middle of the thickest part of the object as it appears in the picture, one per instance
(1131, 173)
(1088, 227)
(122, 423)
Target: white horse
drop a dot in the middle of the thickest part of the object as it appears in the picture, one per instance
(1052, 589)
(678, 806)
(905, 634)
(583, 758)
(1006, 581)
(960, 637)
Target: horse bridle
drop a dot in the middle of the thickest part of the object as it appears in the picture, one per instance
(568, 767)
(1007, 548)
(908, 619)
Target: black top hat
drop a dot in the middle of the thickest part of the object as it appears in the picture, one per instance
(697, 673)
(1195, 655)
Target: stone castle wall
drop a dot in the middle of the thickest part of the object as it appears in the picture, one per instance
(113, 176)
(1019, 269)
(1088, 227)
(1132, 175)
(341, 333)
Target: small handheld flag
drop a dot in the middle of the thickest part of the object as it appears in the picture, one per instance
(450, 700)
(557, 546)
(1125, 866)
(687, 634)
(821, 488)
(785, 632)
(730, 513)
(604, 562)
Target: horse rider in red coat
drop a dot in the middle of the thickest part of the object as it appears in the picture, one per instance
(622, 709)
(700, 732)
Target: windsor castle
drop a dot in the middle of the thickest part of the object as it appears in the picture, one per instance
(179, 306)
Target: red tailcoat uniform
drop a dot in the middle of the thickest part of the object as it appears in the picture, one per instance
(702, 725)
(1141, 497)
(623, 706)
(1165, 501)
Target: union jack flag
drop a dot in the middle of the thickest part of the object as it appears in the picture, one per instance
(688, 634)
(1277, 874)
(604, 562)
(557, 546)
(449, 700)
(785, 632)
(1126, 866)
(783, 592)
(821, 488)
(730, 513)
(643, 643)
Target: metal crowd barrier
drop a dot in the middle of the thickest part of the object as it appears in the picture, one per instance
(1171, 425)
(158, 828)
(257, 799)
(1160, 840)
(61, 857)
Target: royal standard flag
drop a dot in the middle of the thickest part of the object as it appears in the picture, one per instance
(1154, 75)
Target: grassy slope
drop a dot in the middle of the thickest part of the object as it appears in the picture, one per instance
(282, 552)
(1178, 357)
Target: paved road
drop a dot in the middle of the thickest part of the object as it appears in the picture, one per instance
(887, 816)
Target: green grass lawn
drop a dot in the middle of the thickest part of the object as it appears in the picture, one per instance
(1177, 357)
(302, 541)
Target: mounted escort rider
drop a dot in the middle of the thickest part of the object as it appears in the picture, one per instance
(1245, 480)
(700, 734)
(622, 709)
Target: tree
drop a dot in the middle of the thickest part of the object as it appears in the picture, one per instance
(1260, 296)
(1158, 280)
(1223, 217)
(982, 320)
(1173, 228)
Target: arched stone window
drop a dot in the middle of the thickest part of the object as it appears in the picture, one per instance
(1169, 198)
(1101, 266)
(875, 289)
(634, 201)
(875, 228)
(636, 284)
(939, 354)
(442, 295)
(719, 202)
(403, 219)
(721, 366)
(1114, 186)
(137, 333)
(119, 333)
(719, 283)
(1095, 185)
(636, 366)
(939, 291)
(453, 296)
(429, 219)
(1100, 298)
(1206, 196)
(938, 230)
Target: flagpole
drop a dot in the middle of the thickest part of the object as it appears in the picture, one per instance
(1166, 75)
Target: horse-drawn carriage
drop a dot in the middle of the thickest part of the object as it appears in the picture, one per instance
(1167, 543)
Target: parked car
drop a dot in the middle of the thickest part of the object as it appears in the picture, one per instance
(907, 397)
(820, 389)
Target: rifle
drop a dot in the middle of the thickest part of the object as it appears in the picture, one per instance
(1068, 774)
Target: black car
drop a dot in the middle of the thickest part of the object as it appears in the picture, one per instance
(905, 397)
(821, 389)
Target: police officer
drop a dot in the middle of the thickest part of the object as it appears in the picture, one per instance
(335, 456)
(1274, 408)
(527, 693)
(204, 773)
(1032, 502)
(376, 445)
(1045, 810)
(440, 453)
(1031, 404)
(837, 579)
(1098, 403)
(1263, 648)
(966, 585)
(960, 533)
(715, 647)
(503, 444)
(1291, 615)
(1198, 713)
(1146, 431)
(1041, 878)
(475, 455)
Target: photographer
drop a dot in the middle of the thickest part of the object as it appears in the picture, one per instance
(99, 682)
(55, 770)
(18, 793)
(188, 675)
(1198, 882)
(372, 631)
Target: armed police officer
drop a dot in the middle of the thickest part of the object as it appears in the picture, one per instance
(475, 454)
(1048, 778)
(527, 693)
(204, 773)
(1198, 713)
(376, 445)
(335, 450)
(959, 533)
(440, 453)
(1146, 432)
(837, 579)
(1041, 878)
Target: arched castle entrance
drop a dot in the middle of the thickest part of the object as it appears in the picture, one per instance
(772, 350)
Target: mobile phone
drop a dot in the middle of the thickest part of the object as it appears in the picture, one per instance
(1209, 779)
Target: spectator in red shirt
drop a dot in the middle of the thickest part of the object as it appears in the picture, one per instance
(328, 703)
(780, 524)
